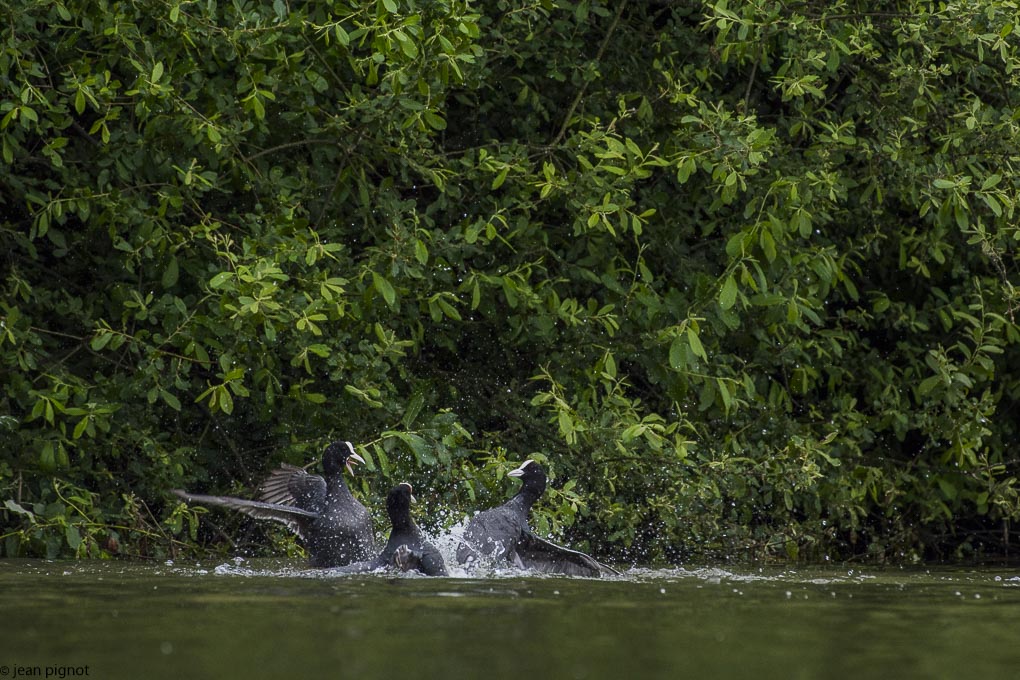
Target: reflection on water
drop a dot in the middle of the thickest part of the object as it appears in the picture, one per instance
(272, 619)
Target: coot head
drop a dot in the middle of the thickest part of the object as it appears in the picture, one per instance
(338, 456)
(398, 504)
(532, 477)
(400, 497)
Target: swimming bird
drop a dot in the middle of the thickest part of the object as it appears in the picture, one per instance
(407, 548)
(335, 527)
(503, 533)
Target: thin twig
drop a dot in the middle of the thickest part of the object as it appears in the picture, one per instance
(598, 56)
(290, 145)
(750, 80)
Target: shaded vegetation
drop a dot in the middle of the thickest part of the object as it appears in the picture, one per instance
(739, 274)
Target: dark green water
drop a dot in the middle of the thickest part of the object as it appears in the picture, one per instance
(274, 620)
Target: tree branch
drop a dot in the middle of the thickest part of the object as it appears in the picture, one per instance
(598, 56)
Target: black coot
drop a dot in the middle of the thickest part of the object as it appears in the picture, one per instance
(407, 548)
(502, 533)
(335, 527)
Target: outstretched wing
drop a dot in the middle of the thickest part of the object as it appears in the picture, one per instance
(293, 485)
(545, 556)
(295, 518)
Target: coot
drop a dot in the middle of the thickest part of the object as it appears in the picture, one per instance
(502, 533)
(335, 527)
(407, 548)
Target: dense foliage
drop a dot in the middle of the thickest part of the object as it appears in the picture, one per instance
(739, 273)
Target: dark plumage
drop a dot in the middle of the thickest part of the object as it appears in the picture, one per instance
(407, 548)
(503, 533)
(335, 527)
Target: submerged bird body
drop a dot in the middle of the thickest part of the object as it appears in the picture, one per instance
(503, 534)
(335, 527)
(407, 548)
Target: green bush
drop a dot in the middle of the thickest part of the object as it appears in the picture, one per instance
(739, 274)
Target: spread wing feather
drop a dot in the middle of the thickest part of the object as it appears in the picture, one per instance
(293, 485)
(545, 556)
(294, 518)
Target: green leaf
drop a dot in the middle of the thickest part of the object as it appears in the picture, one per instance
(234, 374)
(342, 36)
(73, 536)
(171, 273)
(220, 279)
(384, 461)
(384, 288)
(80, 428)
(610, 365)
(929, 384)
(768, 245)
(226, 402)
(407, 45)
(414, 406)
(500, 178)
(434, 121)
(992, 203)
(100, 341)
(724, 392)
(695, 343)
(170, 400)
(677, 355)
(435, 311)
(47, 458)
(991, 181)
(565, 422)
(728, 294)
(417, 445)
(448, 309)
(735, 245)
(421, 252)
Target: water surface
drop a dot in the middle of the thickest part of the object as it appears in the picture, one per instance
(274, 619)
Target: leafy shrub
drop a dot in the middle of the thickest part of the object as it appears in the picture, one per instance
(738, 273)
